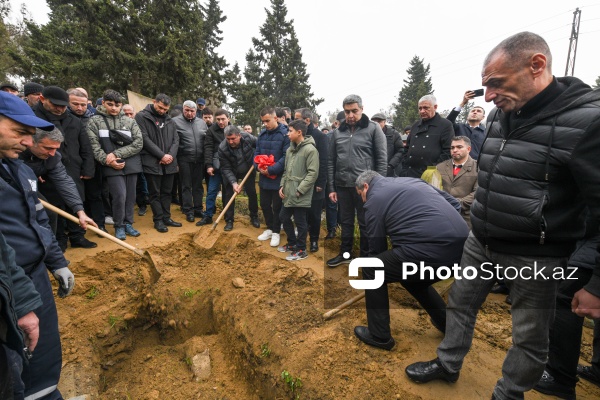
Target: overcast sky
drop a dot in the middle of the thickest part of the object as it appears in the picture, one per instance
(364, 47)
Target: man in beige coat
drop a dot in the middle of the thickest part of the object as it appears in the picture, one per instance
(459, 175)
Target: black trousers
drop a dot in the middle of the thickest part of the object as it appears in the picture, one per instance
(94, 206)
(6, 376)
(270, 204)
(314, 219)
(141, 191)
(378, 303)
(299, 214)
(75, 231)
(351, 206)
(565, 332)
(192, 191)
(250, 189)
(159, 189)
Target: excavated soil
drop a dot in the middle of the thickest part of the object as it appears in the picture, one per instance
(125, 338)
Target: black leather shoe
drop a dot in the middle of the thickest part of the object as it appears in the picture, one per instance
(587, 372)
(83, 243)
(362, 332)
(204, 221)
(228, 226)
(198, 214)
(160, 226)
(338, 260)
(314, 247)
(255, 222)
(423, 372)
(330, 234)
(499, 288)
(170, 222)
(190, 217)
(548, 385)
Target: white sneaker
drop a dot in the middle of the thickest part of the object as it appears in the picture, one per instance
(266, 235)
(275, 239)
(108, 220)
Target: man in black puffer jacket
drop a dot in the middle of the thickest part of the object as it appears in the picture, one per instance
(539, 169)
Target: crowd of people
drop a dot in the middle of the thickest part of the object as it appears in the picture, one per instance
(516, 192)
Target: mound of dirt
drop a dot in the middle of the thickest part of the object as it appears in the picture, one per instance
(257, 318)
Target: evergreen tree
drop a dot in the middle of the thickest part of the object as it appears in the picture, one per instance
(8, 42)
(597, 85)
(214, 75)
(417, 85)
(148, 46)
(275, 73)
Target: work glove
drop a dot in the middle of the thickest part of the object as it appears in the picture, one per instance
(66, 281)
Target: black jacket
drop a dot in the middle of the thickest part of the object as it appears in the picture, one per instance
(231, 167)
(53, 169)
(18, 297)
(477, 134)
(160, 138)
(421, 221)
(214, 137)
(322, 145)
(354, 152)
(76, 150)
(584, 255)
(192, 135)
(539, 168)
(428, 145)
(395, 149)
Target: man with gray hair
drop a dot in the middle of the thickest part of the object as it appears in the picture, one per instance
(356, 146)
(236, 155)
(538, 171)
(423, 225)
(45, 161)
(190, 156)
(429, 140)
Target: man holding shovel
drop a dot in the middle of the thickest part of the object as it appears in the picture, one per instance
(25, 227)
(236, 154)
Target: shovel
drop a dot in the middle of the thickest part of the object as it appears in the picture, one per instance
(154, 274)
(203, 240)
(343, 306)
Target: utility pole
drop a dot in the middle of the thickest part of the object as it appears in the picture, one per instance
(573, 43)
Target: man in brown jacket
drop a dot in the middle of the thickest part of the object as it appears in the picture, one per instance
(459, 175)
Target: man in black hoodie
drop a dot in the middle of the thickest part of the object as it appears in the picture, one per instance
(538, 170)
(159, 161)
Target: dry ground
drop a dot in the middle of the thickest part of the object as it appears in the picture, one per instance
(123, 336)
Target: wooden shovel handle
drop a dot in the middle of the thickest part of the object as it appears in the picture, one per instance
(92, 228)
(214, 225)
(348, 303)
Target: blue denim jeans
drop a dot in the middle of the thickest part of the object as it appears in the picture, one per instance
(214, 185)
(532, 312)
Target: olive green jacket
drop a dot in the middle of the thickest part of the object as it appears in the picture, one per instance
(301, 172)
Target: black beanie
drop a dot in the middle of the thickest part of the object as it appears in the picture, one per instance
(32, 87)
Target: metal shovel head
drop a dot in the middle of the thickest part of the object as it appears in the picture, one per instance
(207, 237)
